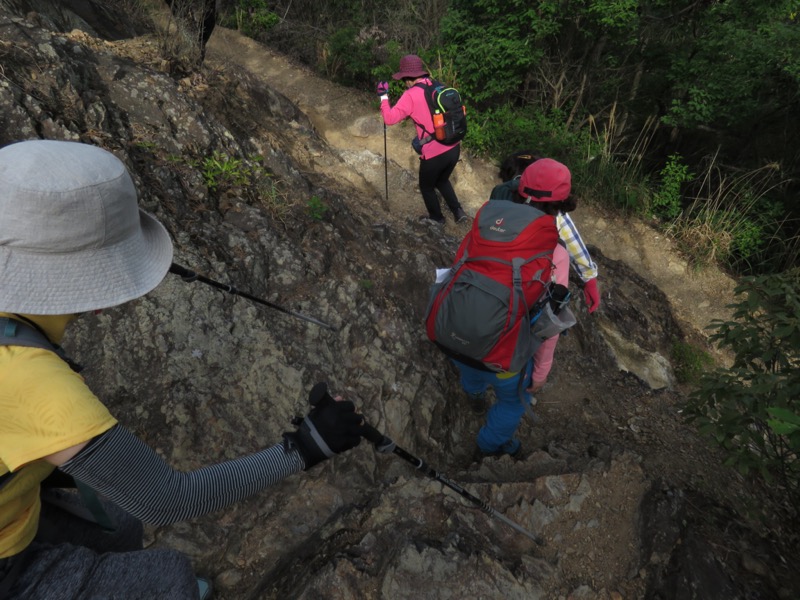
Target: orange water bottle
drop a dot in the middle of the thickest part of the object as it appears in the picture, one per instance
(438, 125)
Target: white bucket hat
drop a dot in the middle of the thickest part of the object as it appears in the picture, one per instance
(72, 237)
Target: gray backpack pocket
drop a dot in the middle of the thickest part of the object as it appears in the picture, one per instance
(550, 324)
(486, 301)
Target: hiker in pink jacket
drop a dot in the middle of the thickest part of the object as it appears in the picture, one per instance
(437, 160)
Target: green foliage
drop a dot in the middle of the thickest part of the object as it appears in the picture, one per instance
(615, 14)
(222, 172)
(146, 145)
(734, 222)
(666, 201)
(500, 131)
(757, 238)
(603, 177)
(613, 168)
(708, 81)
(695, 107)
(317, 209)
(494, 43)
(740, 62)
(253, 17)
(689, 362)
(393, 52)
(244, 177)
(348, 58)
(784, 422)
(751, 410)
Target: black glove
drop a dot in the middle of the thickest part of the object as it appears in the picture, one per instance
(330, 428)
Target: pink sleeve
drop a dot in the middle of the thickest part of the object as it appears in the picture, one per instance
(411, 104)
(398, 112)
(543, 359)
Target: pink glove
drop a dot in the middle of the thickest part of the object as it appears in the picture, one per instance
(591, 294)
(383, 88)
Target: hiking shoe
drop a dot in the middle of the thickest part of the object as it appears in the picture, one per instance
(477, 402)
(512, 447)
(428, 220)
(461, 216)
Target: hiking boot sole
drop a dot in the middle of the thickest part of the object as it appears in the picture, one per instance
(500, 453)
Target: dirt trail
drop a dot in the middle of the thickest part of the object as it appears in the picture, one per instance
(350, 123)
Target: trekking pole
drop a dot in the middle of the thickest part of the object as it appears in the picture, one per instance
(385, 164)
(385, 445)
(189, 276)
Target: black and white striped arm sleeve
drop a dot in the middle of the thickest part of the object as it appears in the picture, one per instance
(128, 472)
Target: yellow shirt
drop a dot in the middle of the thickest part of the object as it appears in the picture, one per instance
(45, 407)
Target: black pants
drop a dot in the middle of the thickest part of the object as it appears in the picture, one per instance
(434, 174)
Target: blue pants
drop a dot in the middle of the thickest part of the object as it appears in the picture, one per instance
(504, 416)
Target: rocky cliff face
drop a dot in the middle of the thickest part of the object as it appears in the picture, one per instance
(235, 172)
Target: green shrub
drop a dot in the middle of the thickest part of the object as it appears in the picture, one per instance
(689, 362)
(752, 409)
(348, 59)
(758, 238)
(666, 202)
(222, 172)
(252, 17)
(735, 222)
(317, 208)
(498, 132)
(606, 179)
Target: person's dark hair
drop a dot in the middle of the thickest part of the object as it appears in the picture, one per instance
(514, 164)
(569, 204)
(553, 208)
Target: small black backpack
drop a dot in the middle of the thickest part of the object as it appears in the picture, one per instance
(448, 113)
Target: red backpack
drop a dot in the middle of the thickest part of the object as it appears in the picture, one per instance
(480, 312)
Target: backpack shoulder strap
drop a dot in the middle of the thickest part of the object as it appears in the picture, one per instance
(19, 333)
(427, 90)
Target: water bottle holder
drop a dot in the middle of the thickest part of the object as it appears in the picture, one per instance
(438, 126)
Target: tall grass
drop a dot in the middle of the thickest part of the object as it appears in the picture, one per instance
(731, 218)
(177, 31)
(614, 164)
(722, 216)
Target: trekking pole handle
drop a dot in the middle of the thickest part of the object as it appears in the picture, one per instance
(382, 443)
(182, 272)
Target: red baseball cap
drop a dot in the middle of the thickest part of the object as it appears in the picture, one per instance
(545, 180)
